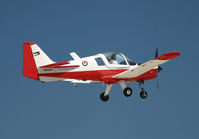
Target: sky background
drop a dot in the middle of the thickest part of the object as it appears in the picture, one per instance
(57, 110)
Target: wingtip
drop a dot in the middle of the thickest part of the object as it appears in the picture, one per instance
(168, 56)
(177, 53)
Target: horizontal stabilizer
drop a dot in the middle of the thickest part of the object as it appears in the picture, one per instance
(64, 64)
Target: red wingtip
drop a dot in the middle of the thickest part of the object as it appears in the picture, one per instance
(168, 56)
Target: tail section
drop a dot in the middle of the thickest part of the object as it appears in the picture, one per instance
(33, 57)
(39, 56)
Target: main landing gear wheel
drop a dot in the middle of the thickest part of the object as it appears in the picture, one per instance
(104, 98)
(127, 91)
(143, 94)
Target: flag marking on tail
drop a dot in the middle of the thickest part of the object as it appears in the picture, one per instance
(36, 53)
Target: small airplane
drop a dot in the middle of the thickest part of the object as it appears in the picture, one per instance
(108, 68)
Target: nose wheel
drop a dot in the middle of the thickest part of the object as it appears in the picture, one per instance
(143, 93)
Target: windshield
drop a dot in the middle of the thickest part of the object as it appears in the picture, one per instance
(130, 61)
(115, 58)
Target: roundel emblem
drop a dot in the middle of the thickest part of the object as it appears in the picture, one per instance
(84, 63)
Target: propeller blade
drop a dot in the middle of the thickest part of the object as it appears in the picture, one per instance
(156, 55)
(156, 52)
(159, 68)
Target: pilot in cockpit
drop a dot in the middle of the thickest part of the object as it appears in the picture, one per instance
(113, 59)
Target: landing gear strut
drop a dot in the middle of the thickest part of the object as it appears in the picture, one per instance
(143, 93)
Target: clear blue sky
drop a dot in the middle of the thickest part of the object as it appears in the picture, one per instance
(33, 110)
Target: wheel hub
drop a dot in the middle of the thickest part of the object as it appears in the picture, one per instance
(128, 92)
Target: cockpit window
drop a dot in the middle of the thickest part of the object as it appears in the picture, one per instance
(115, 58)
(118, 59)
(99, 61)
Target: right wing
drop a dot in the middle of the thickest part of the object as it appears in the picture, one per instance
(141, 69)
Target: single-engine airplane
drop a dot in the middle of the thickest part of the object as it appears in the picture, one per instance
(108, 68)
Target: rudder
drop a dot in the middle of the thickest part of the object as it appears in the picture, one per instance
(29, 66)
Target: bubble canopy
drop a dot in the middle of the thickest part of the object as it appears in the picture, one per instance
(118, 58)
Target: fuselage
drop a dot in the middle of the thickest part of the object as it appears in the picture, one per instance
(96, 68)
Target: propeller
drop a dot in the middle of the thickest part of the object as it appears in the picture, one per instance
(159, 68)
(156, 52)
(156, 55)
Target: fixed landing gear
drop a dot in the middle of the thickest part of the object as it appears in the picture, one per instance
(143, 93)
(127, 91)
(104, 96)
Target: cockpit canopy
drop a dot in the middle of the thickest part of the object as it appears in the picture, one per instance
(118, 58)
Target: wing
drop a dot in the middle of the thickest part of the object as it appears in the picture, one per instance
(139, 70)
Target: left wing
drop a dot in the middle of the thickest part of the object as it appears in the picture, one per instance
(131, 73)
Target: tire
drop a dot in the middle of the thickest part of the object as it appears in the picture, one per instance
(143, 94)
(104, 98)
(127, 91)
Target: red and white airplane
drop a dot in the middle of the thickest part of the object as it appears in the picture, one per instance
(108, 68)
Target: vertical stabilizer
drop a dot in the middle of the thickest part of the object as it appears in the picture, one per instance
(39, 56)
(33, 57)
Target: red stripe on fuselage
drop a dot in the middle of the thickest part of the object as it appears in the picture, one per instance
(69, 66)
(98, 75)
